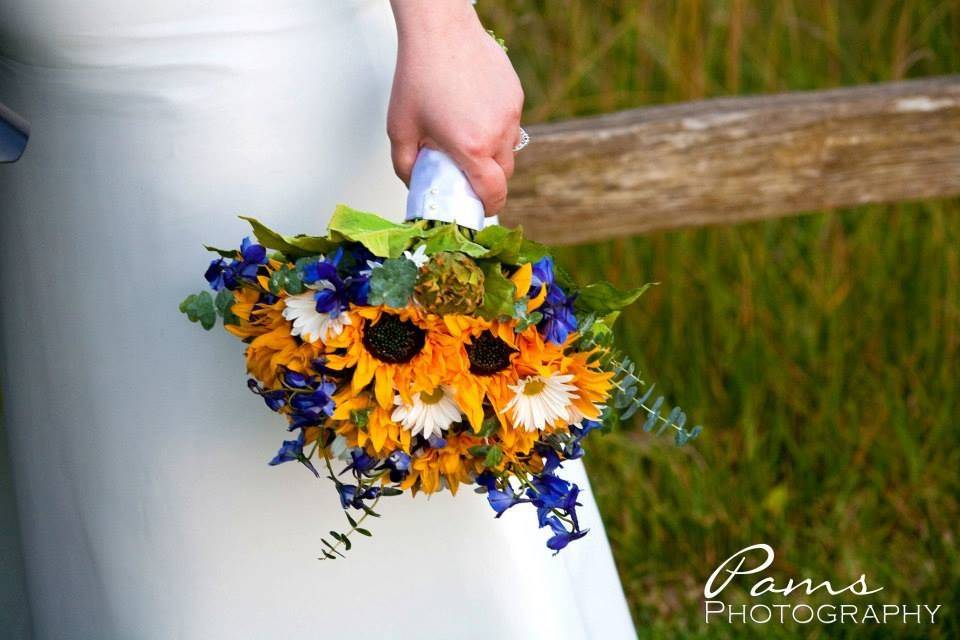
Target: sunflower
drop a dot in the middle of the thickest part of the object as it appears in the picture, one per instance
(364, 423)
(398, 350)
(453, 463)
(486, 351)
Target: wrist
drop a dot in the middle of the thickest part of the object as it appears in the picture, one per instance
(428, 18)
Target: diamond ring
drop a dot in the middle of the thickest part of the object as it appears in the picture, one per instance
(524, 141)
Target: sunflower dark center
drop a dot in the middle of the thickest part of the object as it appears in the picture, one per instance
(393, 340)
(488, 354)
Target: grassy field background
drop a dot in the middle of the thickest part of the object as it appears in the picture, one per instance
(821, 352)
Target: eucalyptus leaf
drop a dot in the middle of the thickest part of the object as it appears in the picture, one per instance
(224, 306)
(199, 307)
(392, 283)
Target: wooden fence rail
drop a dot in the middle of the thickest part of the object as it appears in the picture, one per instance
(736, 159)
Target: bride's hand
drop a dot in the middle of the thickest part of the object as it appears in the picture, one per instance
(454, 89)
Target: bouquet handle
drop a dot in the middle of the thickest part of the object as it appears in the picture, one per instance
(439, 190)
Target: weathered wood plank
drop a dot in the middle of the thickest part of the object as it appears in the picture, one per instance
(736, 159)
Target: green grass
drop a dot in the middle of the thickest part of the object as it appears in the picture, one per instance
(821, 352)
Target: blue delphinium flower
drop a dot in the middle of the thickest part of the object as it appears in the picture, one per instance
(363, 263)
(398, 463)
(503, 500)
(351, 496)
(293, 450)
(315, 405)
(332, 292)
(348, 493)
(558, 320)
(561, 535)
(222, 274)
(361, 463)
(436, 442)
(573, 449)
(552, 495)
(275, 400)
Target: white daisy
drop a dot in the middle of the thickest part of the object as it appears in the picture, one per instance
(308, 323)
(419, 257)
(539, 401)
(430, 414)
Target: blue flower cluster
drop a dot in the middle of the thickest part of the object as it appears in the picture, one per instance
(226, 275)
(310, 402)
(558, 320)
(554, 498)
(340, 278)
(362, 466)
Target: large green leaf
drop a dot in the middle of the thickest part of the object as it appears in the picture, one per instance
(382, 237)
(509, 246)
(498, 292)
(448, 237)
(292, 247)
(501, 242)
(224, 253)
(603, 298)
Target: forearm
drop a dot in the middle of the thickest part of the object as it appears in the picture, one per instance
(455, 90)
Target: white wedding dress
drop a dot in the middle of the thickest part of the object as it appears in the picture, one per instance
(146, 506)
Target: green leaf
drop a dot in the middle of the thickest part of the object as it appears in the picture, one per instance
(363, 532)
(350, 519)
(224, 305)
(273, 240)
(479, 450)
(312, 245)
(604, 298)
(502, 242)
(199, 307)
(292, 281)
(332, 548)
(292, 247)
(493, 458)
(275, 284)
(382, 237)
(531, 251)
(390, 491)
(509, 246)
(488, 427)
(224, 253)
(360, 417)
(564, 279)
(498, 292)
(392, 283)
(449, 237)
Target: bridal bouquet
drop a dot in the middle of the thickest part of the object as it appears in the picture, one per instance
(422, 356)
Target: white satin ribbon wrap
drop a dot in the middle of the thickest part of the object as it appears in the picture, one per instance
(439, 190)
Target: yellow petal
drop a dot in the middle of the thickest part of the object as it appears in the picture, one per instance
(537, 300)
(384, 387)
(378, 434)
(522, 279)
